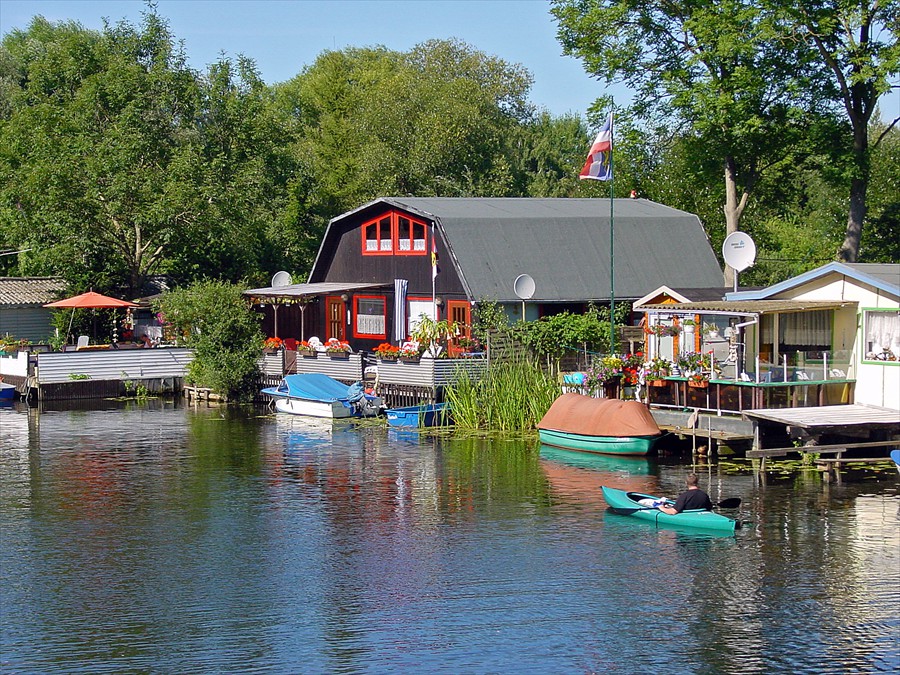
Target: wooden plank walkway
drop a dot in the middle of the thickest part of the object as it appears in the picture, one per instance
(819, 418)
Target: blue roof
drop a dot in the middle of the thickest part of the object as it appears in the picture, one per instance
(883, 276)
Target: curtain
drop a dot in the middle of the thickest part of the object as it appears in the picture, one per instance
(400, 289)
(809, 329)
(882, 332)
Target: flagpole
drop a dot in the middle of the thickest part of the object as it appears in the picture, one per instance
(612, 241)
(433, 275)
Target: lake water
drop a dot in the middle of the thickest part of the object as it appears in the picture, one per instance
(161, 539)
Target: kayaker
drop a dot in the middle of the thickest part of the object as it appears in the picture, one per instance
(691, 499)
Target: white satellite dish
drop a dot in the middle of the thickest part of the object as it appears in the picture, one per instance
(739, 251)
(281, 278)
(524, 286)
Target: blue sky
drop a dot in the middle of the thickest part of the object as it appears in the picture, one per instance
(282, 36)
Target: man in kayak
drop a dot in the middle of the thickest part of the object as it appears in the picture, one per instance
(691, 499)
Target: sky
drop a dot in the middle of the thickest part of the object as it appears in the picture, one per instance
(283, 36)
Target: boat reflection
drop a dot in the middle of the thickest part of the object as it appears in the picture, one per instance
(577, 476)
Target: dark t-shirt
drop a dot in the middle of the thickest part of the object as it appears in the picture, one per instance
(692, 499)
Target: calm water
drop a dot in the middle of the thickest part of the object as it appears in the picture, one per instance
(158, 539)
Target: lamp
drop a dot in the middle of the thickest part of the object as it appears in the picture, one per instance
(345, 297)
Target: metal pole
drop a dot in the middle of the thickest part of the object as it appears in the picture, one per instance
(612, 241)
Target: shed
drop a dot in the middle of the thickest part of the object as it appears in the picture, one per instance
(22, 311)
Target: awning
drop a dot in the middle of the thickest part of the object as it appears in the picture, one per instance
(301, 292)
(746, 307)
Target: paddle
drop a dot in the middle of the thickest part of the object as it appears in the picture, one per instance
(730, 503)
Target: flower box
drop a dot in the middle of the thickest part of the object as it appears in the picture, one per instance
(307, 353)
(698, 384)
(410, 359)
(339, 355)
(391, 358)
(657, 383)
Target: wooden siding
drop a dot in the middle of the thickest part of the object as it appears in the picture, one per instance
(30, 323)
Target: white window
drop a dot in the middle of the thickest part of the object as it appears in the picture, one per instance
(881, 335)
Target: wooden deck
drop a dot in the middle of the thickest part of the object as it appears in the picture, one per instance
(820, 419)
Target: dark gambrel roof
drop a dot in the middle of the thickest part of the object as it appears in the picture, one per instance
(30, 291)
(564, 245)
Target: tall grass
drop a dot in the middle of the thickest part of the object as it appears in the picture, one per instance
(509, 396)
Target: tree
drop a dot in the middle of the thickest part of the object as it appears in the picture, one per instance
(431, 121)
(711, 67)
(215, 320)
(858, 44)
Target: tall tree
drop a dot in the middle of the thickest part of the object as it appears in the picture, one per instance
(710, 67)
(858, 43)
(431, 121)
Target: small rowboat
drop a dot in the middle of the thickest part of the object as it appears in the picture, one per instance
(430, 415)
(629, 503)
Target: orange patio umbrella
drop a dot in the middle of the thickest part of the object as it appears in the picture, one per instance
(89, 300)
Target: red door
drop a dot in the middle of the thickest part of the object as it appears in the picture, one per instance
(335, 318)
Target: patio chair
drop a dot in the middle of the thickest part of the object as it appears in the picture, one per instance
(83, 341)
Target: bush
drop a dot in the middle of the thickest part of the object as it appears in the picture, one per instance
(215, 320)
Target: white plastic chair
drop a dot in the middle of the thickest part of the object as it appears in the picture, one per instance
(83, 341)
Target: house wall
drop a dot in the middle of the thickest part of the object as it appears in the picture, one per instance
(876, 383)
(30, 323)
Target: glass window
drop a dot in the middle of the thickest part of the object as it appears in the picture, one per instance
(370, 317)
(881, 335)
(394, 233)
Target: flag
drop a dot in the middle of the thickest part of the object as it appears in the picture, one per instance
(434, 258)
(599, 160)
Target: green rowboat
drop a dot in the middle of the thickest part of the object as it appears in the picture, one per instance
(604, 445)
(628, 503)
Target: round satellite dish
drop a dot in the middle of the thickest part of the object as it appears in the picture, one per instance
(739, 251)
(524, 286)
(281, 279)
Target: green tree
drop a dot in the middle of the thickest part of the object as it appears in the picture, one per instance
(214, 319)
(431, 121)
(857, 43)
(711, 67)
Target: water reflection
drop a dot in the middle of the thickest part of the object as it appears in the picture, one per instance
(163, 539)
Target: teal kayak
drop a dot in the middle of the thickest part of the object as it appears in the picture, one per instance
(628, 503)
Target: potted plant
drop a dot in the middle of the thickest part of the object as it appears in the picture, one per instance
(337, 349)
(305, 349)
(698, 380)
(687, 325)
(387, 352)
(272, 345)
(663, 330)
(655, 370)
(410, 352)
(711, 331)
(433, 335)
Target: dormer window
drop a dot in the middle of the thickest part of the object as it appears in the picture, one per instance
(394, 233)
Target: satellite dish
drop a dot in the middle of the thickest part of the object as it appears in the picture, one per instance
(524, 286)
(739, 251)
(281, 279)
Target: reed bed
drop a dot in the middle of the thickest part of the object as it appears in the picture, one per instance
(510, 396)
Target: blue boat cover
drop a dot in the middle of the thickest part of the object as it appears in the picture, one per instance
(317, 387)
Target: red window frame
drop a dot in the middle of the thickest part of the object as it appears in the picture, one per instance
(369, 336)
(393, 219)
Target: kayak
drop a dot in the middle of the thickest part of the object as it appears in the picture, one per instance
(628, 503)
